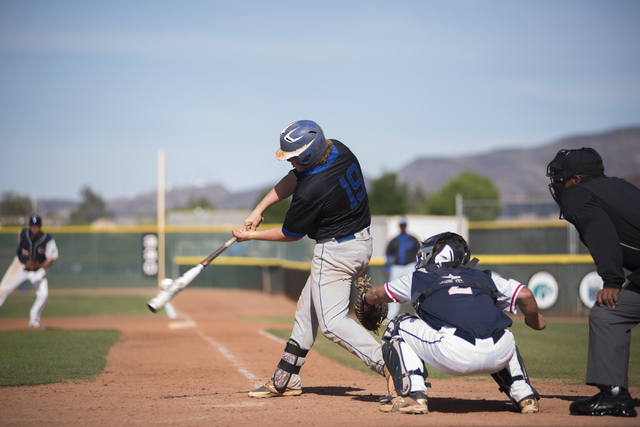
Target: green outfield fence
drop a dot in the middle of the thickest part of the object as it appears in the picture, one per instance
(113, 258)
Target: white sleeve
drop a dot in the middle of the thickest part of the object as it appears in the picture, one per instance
(51, 250)
(508, 290)
(399, 290)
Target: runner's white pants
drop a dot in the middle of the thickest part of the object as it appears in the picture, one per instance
(15, 276)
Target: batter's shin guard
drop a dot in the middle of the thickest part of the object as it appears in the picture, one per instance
(293, 358)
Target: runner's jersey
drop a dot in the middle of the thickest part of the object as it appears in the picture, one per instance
(41, 249)
(329, 200)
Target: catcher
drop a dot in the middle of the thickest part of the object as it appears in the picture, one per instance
(460, 327)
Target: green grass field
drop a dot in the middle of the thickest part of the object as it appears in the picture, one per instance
(79, 305)
(53, 356)
(48, 356)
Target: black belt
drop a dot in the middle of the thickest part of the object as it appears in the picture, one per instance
(461, 333)
(350, 236)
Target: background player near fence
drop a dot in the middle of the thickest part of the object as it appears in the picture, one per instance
(606, 212)
(401, 257)
(330, 205)
(36, 252)
(460, 327)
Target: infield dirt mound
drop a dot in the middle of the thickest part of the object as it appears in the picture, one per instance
(197, 369)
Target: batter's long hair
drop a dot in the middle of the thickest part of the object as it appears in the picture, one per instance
(325, 156)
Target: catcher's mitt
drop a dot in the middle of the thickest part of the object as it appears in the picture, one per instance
(371, 317)
(31, 265)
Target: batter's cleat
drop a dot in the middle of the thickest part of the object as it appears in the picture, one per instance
(415, 403)
(269, 390)
(604, 403)
(529, 405)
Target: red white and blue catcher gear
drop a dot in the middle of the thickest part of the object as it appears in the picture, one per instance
(460, 327)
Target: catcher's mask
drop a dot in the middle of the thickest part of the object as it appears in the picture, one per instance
(304, 139)
(569, 163)
(444, 249)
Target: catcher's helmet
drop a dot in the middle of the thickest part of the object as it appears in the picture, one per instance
(444, 249)
(35, 220)
(568, 163)
(304, 139)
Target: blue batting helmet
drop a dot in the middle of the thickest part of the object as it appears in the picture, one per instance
(304, 139)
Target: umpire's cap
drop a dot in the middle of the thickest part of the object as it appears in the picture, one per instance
(568, 163)
(35, 220)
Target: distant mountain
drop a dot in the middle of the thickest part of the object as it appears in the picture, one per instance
(146, 204)
(518, 173)
(521, 173)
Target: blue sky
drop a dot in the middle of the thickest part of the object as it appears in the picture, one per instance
(90, 90)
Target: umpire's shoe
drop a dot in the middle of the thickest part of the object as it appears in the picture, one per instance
(610, 401)
(269, 390)
(415, 403)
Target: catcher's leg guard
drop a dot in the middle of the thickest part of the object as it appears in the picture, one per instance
(290, 364)
(506, 380)
(401, 362)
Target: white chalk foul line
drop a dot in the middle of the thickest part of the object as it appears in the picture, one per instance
(226, 353)
(272, 337)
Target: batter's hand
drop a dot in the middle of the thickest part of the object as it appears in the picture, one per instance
(608, 297)
(244, 233)
(253, 220)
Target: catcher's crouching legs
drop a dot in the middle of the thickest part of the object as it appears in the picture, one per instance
(514, 382)
(285, 380)
(405, 384)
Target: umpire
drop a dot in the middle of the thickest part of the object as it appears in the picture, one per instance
(606, 212)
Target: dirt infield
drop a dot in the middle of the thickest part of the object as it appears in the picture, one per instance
(196, 370)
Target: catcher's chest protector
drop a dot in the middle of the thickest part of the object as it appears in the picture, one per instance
(460, 298)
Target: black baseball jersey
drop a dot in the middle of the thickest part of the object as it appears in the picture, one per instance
(606, 213)
(28, 248)
(329, 200)
(461, 298)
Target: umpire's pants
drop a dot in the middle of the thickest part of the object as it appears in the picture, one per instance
(610, 339)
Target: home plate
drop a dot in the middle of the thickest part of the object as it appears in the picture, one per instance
(182, 324)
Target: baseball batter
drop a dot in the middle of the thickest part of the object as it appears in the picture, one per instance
(330, 205)
(36, 251)
(460, 327)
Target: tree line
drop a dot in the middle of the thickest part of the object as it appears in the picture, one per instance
(387, 196)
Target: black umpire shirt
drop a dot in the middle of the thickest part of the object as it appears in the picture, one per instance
(329, 200)
(606, 213)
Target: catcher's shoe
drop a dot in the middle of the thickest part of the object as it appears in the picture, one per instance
(529, 405)
(269, 390)
(415, 403)
(604, 403)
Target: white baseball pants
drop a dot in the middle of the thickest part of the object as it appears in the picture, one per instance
(15, 276)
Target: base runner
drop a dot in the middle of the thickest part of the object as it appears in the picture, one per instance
(330, 205)
(36, 252)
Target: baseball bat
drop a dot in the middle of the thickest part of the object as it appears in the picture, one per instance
(166, 294)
